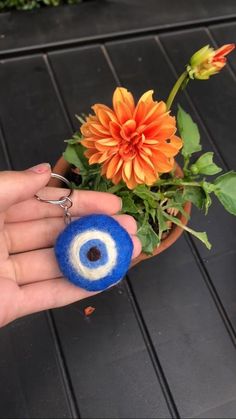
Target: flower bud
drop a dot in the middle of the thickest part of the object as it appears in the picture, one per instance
(206, 62)
(194, 169)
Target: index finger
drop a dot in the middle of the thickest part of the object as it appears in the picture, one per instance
(84, 202)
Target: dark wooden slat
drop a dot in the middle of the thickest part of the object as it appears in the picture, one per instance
(220, 227)
(175, 303)
(223, 269)
(84, 78)
(219, 411)
(120, 370)
(33, 122)
(225, 34)
(194, 349)
(98, 19)
(31, 384)
(109, 366)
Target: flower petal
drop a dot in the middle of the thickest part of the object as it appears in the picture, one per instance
(147, 97)
(95, 158)
(88, 153)
(170, 148)
(127, 168)
(147, 150)
(117, 177)
(105, 117)
(222, 51)
(147, 160)
(163, 164)
(102, 112)
(122, 95)
(109, 142)
(160, 132)
(123, 112)
(150, 178)
(139, 170)
(88, 144)
(85, 130)
(99, 130)
(111, 166)
(131, 183)
(128, 128)
(140, 112)
(115, 130)
(154, 112)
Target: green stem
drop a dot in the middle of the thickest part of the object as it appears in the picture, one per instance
(115, 188)
(200, 235)
(175, 89)
(186, 163)
(177, 183)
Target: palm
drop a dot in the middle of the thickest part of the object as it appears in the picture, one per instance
(30, 279)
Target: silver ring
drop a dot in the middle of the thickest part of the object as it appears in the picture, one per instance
(63, 199)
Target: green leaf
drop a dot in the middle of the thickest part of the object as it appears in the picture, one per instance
(148, 238)
(76, 138)
(145, 194)
(194, 194)
(206, 166)
(71, 156)
(202, 236)
(74, 154)
(103, 185)
(81, 118)
(189, 133)
(153, 213)
(128, 205)
(161, 222)
(225, 190)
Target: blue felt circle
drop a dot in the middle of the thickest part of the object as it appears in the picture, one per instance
(103, 223)
(84, 251)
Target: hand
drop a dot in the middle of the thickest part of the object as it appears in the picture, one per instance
(30, 279)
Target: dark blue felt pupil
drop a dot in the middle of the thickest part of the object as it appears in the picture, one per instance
(89, 247)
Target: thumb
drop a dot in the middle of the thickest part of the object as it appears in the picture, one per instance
(19, 186)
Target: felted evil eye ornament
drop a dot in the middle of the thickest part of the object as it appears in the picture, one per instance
(93, 252)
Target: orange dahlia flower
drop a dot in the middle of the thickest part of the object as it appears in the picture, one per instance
(133, 143)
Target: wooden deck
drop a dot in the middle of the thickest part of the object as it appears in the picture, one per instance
(161, 344)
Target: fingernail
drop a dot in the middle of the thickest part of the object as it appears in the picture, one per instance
(40, 168)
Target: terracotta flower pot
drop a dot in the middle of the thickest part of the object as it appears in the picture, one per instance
(63, 168)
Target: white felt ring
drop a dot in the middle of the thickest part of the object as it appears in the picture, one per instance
(101, 271)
